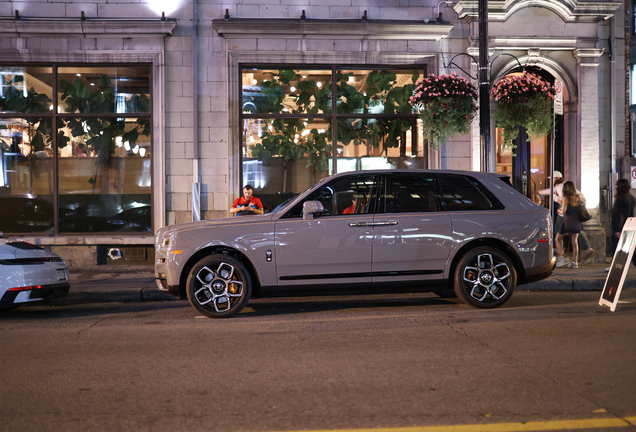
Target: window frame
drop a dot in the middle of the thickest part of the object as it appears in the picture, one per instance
(333, 116)
(495, 203)
(55, 116)
(373, 195)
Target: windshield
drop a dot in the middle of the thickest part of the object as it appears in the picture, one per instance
(283, 204)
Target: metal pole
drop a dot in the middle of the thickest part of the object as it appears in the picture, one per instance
(551, 164)
(484, 87)
(196, 171)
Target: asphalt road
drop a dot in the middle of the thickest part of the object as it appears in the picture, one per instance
(322, 363)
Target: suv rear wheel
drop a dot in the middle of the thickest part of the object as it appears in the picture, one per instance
(485, 277)
(219, 286)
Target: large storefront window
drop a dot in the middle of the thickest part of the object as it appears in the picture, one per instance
(291, 118)
(91, 172)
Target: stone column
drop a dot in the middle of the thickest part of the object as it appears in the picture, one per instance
(584, 169)
(587, 159)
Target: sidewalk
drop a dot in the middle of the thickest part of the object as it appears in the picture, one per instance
(137, 284)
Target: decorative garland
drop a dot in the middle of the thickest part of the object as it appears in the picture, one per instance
(446, 105)
(523, 100)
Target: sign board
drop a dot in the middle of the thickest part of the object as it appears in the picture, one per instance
(558, 98)
(620, 266)
(632, 176)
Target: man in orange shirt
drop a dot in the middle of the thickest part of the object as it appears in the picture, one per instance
(351, 209)
(248, 204)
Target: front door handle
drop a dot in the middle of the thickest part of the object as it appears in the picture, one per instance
(384, 223)
(359, 224)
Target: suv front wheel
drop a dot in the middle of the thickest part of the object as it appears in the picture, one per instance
(219, 286)
(485, 277)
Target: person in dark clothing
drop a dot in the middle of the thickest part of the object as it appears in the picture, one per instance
(571, 224)
(623, 209)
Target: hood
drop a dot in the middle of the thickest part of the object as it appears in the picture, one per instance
(233, 221)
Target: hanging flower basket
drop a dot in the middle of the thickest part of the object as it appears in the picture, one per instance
(523, 100)
(446, 105)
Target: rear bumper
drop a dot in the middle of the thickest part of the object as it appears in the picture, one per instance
(46, 292)
(538, 273)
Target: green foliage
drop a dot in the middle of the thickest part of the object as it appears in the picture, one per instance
(15, 101)
(447, 106)
(99, 134)
(523, 100)
(289, 139)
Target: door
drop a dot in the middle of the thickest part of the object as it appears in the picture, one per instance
(334, 247)
(528, 165)
(412, 236)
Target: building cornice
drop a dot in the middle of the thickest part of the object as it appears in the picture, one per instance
(568, 10)
(545, 44)
(336, 29)
(89, 27)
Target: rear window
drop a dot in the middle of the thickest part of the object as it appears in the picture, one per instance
(409, 193)
(464, 193)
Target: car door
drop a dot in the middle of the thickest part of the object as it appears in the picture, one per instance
(334, 247)
(412, 236)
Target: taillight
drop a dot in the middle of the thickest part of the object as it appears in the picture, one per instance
(543, 240)
(27, 288)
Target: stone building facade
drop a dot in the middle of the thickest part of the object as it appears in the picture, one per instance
(189, 87)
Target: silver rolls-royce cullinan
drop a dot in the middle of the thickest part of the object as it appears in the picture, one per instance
(465, 231)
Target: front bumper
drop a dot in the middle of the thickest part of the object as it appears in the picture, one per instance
(173, 290)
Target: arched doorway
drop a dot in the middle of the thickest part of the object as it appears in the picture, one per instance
(528, 165)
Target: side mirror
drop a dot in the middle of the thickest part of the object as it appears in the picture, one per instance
(310, 208)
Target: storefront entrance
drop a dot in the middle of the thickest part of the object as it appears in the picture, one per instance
(528, 165)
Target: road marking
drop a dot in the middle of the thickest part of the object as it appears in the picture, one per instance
(510, 427)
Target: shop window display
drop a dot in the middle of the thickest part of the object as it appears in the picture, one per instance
(291, 118)
(93, 170)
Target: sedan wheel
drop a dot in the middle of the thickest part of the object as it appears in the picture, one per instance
(485, 277)
(219, 286)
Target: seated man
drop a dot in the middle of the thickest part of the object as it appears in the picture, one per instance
(247, 204)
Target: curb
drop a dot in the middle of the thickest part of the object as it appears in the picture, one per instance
(565, 284)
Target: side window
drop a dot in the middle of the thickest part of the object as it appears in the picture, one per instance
(462, 193)
(343, 196)
(409, 193)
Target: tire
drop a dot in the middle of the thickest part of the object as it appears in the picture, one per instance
(219, 286)
(485, 277)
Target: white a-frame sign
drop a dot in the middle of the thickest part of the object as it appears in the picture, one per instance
(620, 266)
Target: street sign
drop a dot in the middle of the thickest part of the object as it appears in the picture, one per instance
(558, 98)
(620, 266)
(632, 177)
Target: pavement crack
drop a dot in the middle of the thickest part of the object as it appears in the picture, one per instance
(79, 333)
(526, 365)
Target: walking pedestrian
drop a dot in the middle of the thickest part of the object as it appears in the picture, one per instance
(571, 225)
(623, 209)
(584, 244)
